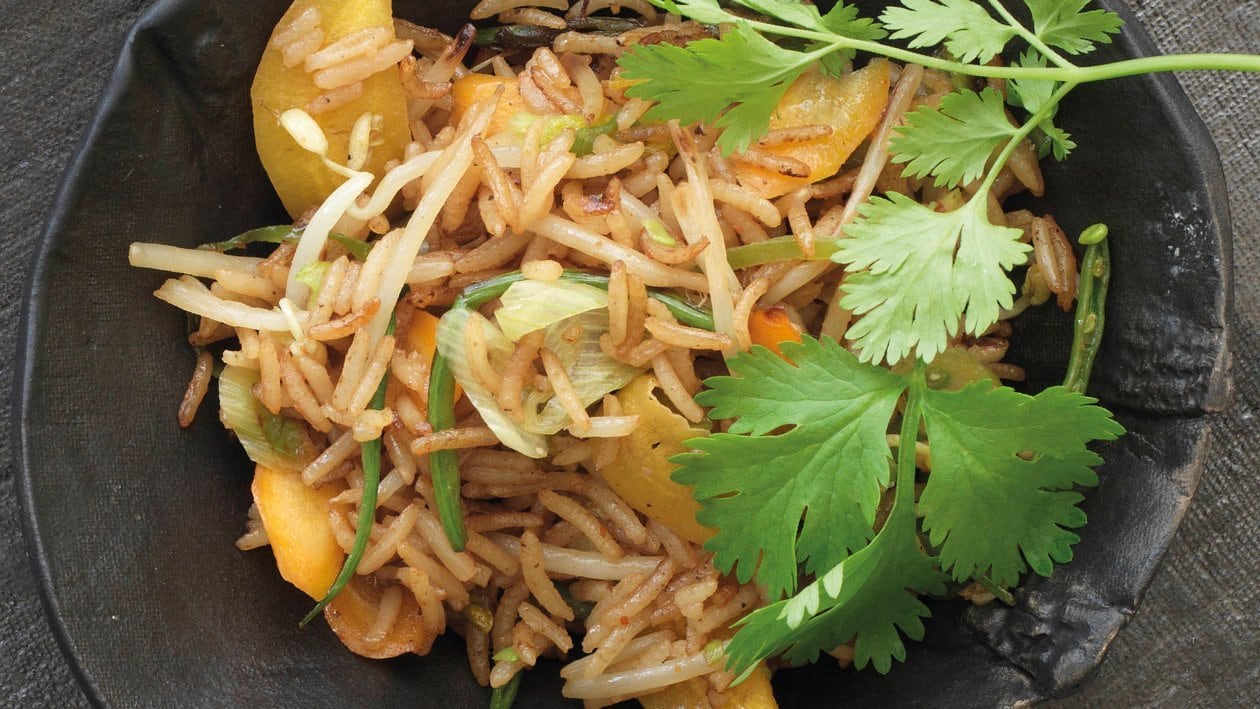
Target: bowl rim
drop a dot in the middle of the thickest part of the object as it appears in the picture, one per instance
(1165, 89)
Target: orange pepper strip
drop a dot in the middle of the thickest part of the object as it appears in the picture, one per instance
(771, 326)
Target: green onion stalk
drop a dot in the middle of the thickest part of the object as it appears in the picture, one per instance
(370, 453)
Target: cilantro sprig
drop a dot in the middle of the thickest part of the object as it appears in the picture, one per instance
(1000, 496)
(735, 83)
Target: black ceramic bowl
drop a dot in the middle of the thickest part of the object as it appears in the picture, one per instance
(131, 520)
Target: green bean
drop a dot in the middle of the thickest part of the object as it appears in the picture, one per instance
(1091, 300)
(502, 697)
(444, 464)
(370, 452)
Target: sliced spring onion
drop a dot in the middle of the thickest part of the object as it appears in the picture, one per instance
(584, 141)
(452, 346)
(657, 232)
(533, 305)
(591, 372)
(358, 249)
(269, 440)
(553, 126)
(312, 276)
(444, 465)
(783, 248)
(507, 654)
(265, 235)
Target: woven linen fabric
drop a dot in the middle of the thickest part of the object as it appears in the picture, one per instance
(1195, 640)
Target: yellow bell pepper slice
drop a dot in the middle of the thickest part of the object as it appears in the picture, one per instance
(474, 89)
(301, 178)
(851, 105)
(640, 471)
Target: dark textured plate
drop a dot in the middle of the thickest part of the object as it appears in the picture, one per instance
(131, 521)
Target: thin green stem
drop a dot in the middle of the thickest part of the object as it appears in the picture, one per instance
(1030, 37)
(1024, 131)
(1072, 74)
(904, 497)
(370, 457)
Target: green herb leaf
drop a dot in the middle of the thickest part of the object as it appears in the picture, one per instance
(1004, 465)
(1065, 25)
(843, 20)
(1034, 94)
(968, 31)
(915, 273)
(955, 141)
(869, 597)
(826, 471)
(357, 249)
(754, 73)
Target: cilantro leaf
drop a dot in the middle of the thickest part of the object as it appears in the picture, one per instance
(827, 469)
(706, 11)
(843, 20)
(968, 31)
(869, 596)
(733, 83)
(954, 141)
(1004, 465)
(1033, 95)
(914, 273)
(1064, 25)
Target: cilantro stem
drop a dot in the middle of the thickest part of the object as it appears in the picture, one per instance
(910, 419)
(1030, 37)
(1071, 73)
(444, 465)
(1024, 131)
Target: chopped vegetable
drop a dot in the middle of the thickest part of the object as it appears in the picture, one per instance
(850, 106)
(301, 178)
(769, 327)
(533, 305)
(271, 441)
(352, 614)
(781, 248)
(474, 89)
(444, 465)
(640, 472)
(295, 517)
(453, 347)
